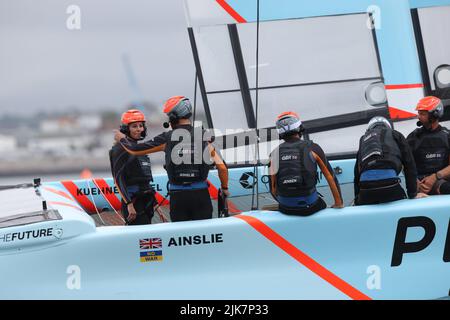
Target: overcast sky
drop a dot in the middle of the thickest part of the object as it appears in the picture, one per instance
(46, 66)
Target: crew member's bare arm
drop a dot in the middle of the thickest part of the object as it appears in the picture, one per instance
(338, 203)
(273, 180)
(427, 183)
(156, 144)
(221, 169)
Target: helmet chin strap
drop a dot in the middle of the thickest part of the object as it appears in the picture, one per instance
(432, 121)
(427, 125)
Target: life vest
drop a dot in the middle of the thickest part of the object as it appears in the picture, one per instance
(138, 170)
(379, 150)
(184, 157)
(430, 150)
(297, 169)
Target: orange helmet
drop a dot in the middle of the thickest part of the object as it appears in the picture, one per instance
(433, 105)
(288, 114)
(288, 122)
(178, 107)
(132, 115)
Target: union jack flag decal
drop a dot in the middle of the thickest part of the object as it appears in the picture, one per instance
(152, 243)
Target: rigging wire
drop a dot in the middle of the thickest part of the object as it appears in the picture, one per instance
(255, 167)
(110, 204)
(195, 97)
(93, 201)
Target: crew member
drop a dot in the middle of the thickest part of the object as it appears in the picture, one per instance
(383, 153)
(293, 170)
(132, 173)
(430, 147)
(187, 167)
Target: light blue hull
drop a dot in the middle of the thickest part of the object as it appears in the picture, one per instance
(334, 254)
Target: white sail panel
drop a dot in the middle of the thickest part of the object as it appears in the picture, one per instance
(345, 140)
(247, 154)
(321, 67)
(227, 111)
(216, 57)
(309, 50)
(311, 102)
(435, 29)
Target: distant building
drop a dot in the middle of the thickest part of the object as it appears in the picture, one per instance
(61, 145)
(71, 124)
(8, 143)
(91, 122)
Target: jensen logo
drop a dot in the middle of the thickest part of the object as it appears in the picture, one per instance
(288, 181)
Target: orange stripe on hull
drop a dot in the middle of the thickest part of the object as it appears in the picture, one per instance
(304, 259)
(111, 198)
(59, 192)
(81, 198)
(214, 193)
(57, 203)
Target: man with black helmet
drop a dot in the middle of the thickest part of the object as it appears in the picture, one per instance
(132, 174)
(188, 159)
(293, 170)
(383, 153)
(430, 145)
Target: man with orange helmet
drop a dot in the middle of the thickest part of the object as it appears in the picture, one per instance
(430, 145)
(187, 169)
(132, 174)
(293, 170)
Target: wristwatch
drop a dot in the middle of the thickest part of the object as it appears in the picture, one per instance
(438, 176)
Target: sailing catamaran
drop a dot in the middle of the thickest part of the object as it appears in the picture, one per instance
(337, 65)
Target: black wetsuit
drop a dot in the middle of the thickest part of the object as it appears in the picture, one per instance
(431, 151)
(132, 176)
(390, 189)
(300, 202)
(189, 195)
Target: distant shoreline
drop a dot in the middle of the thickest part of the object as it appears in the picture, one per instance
(46, 167)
